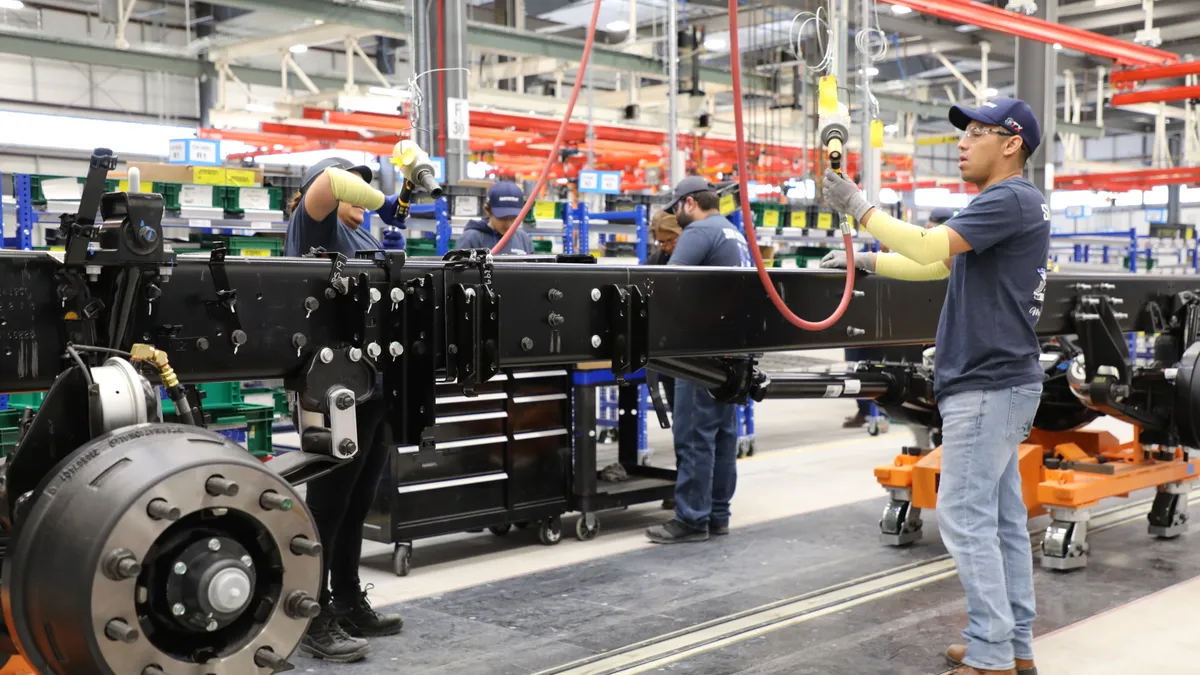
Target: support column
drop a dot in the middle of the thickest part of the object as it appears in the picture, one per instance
(672, 56)
(869, 159)
(419, 47)
(455, 44)
(1037, 70)
(1173, 204)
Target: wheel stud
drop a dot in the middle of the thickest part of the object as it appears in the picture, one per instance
(121, 564)
(214, 545)
(272, 500)
(266, 657)
(180, 568)
(302, 545)
(160, 509)
(178, 609)
(218, 486)
(300, 605)
(119, 631)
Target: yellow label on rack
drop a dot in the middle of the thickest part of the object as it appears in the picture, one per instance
(1190, 234)
(543, 210)
(770, 219)
(825, 221)
(240, 177)
(123, 186)
(727, 205)
(208, 175)
(799, 219)
(256, 252)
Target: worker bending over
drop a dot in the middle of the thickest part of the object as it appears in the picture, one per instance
(328, 213)
(503, 205)
(987, 379)
(705, 430)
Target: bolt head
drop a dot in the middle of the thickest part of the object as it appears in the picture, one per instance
(397, 294)
(375, 295)
(247, 561)
(595, 341)
(214, 544)
(327, 355)
(595, 295)
(395, 349)
(180, 568)
(373, 350)
(178, 609)
(212, 625)
(355, 354)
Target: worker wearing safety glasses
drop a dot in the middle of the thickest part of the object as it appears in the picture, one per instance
(987, 379)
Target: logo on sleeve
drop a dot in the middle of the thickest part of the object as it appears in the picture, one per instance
(1039, 295)
(1045, 212)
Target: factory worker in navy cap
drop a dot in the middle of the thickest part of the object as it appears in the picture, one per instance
(987, 375)
(503, 205)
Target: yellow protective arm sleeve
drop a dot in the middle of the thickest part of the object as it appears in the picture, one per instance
(915, 243)
(897, 266)
(350, 188)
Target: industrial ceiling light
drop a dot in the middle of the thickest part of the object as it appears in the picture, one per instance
(991, 91)
(714, 44)
(872, 71)
(966, 28)
(617, 26)
(255, 107)
(298, 49)
(901, 10)
(12, 4)
(891, 128)
(1057, 46)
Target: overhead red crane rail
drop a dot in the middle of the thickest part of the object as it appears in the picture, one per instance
(1032, 28)
(1157, 95)
(1154, 72)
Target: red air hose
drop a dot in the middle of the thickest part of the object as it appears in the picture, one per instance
(735, 63)
(562, 131)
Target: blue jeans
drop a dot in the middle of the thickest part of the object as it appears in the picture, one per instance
(705, 455)
(983, 520)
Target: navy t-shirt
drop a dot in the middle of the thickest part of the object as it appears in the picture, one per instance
(986, 338)
(711, 242)
(331, 234)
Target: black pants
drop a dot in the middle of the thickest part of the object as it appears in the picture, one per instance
(340, 500)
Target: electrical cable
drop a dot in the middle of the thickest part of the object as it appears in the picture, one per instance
(562, 130)
(102, 350)
(747, 216)
(87, 373)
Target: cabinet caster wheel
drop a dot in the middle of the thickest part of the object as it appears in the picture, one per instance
(402, 560)
(550, 531)
(522, 525)
(587, 527)
(500, 530)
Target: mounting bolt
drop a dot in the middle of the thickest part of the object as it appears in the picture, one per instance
(202, 344)
(311, 304)
(121, 564)
(161, 509)
(595, 341)
(266, 657)
(273, 501)
(554, 294)
(395, 349)
(355, 354)
(212, 625)
(555, 319)
(247, 561)
(300, 605)
(397, 294)
(375, 295)
(374, 350)
(344, 401)
(180, 568)
(119, 631)
(214, 544)
(178, 609)
(526, 343)
(302, 545)
(327, 355)
(858, 293)
(347, 447)
(238, 338)
(595, 295)
(219, 487)
(851, 331)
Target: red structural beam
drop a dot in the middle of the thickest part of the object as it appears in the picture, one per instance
(1155, 72)
(1032, 28)
(1157, 95)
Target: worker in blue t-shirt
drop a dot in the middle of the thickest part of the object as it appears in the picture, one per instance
(503, 205)
(705, 430)
(987, 379)
(328, 213)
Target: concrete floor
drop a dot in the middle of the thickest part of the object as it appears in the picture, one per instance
(788, 592)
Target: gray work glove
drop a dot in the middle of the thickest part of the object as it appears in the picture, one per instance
(843, 196)
(836, 260)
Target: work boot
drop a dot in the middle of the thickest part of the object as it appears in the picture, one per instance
(675, 532)
(968, 670)
(717, 529)
(668, 504)
(326, 640)
(856, 422)
(956, 653)
(354, 614)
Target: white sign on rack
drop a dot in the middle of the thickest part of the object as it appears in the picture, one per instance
(196, 195)
(459, 116)
(589, 181)
(255, 199)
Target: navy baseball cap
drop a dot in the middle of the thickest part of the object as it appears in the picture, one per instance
(1011, 113)
(688, 186)
(505, 200)
(319, 168)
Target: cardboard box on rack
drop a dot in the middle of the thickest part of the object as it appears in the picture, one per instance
(203, 175)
